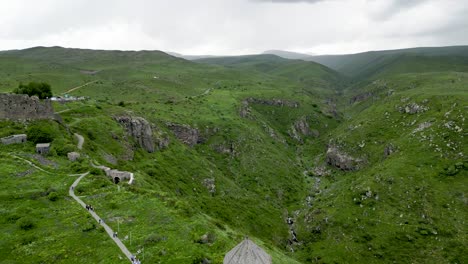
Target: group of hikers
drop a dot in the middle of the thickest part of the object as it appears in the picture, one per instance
(135, 260)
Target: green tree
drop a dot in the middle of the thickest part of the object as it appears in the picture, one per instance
(41, 90)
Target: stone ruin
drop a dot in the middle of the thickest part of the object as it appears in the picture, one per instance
(23, 107)
(117, 176)
(13, 139)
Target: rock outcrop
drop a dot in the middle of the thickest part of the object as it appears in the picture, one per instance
(301, 128)
(245, 109)
(360, 97)
(188, 135)
(412, 108)
(23, 107)
(273, 102)
(139, 129)
(341, 160)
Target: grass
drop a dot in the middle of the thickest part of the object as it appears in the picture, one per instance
(409, 206)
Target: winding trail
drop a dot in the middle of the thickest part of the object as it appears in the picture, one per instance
(30, 163)
(78, 87)
(80, 140)
(109, 230)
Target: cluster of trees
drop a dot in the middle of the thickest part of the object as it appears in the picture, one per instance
(41, 90)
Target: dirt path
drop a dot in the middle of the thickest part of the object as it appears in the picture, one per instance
(31, 164)
(109, 230)
(80, 139)
(78, 87)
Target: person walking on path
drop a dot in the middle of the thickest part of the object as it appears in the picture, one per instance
(108, 230)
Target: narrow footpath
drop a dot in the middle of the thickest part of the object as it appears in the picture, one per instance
(80, 139)
(109, 231)
(78, 87)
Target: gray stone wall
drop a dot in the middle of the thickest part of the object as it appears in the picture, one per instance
(23, 107)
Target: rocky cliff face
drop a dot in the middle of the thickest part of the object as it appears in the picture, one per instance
(23, 107)
(301, 128)
(186, 134)
(245, 109)
(139, 129)
(341, 160)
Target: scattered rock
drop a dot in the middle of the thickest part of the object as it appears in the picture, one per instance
(320, 171)
(225, 148)
(389, 150)
(422, 126)
(139, 129)
(210, 185)
(413, 108)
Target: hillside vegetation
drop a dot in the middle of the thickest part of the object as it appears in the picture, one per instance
(370, 167)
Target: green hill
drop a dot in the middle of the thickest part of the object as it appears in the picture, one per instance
(369, 172)
(306, 73)
(368, 64)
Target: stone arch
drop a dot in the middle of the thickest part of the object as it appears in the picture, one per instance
(116, 180)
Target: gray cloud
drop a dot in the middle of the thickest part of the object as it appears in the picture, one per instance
(233, 27)
(290, 1)
(390, 8)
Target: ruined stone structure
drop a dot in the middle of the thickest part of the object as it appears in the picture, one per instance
(23, 107)
(43, 148)
(13, 139)
(117, 176)
(139, 129)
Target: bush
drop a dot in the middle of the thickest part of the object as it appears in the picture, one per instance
(26, 223)
(41, 90)
(40, 134)
(53, 196)
(63, 150)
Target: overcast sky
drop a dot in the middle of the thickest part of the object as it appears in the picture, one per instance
(234, 26)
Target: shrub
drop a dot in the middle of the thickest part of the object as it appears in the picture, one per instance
(26, 223)
(40, 134)
(53, 196)
(63, 150)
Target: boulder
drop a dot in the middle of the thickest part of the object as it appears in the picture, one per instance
(341, 160)
(73, 156)
(389, 150)
(139, 129)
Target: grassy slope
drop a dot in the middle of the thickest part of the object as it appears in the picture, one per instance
(251, 195)
(168, 209)
(411, 204)
(364, 65)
